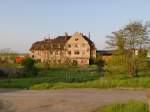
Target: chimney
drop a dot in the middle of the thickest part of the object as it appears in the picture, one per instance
(45, 39)
(66, 35)
(49, 38)
(89, 35)
(81, 34)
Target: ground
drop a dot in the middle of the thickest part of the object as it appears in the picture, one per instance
(65, 100)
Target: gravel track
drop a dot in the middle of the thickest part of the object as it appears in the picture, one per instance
(64, 100)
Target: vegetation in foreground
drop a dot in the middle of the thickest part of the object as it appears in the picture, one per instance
(137, 83)
(52, 76)
(130, 106)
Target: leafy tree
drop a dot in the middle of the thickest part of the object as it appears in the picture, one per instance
(7, 56)
(137, 39)
(29, 68)
(117, 41)
(130, 45)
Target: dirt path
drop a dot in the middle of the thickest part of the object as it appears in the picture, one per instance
(66, 100)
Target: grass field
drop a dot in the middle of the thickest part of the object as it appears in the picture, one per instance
(74, 78)
(65, 75)
(142, 82)
(130, 106)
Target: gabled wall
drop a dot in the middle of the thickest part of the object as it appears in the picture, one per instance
(78, 49)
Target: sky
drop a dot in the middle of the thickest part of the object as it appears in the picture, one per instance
(22, 22)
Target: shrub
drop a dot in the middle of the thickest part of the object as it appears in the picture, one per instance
(92, 61)
(29, 69)
(2, 74)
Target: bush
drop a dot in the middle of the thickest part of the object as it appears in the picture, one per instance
(92, 61)
(29, 69)
(2, 74)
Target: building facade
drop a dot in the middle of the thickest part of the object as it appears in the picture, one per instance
(76, 49)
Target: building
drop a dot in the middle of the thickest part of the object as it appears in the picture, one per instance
(104, 54)
(76, 49)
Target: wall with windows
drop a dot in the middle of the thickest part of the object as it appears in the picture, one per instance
(78, 49)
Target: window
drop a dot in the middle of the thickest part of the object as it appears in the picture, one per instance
(32, 56)
(76, 52)
(57, 52)
(75, 62)
(51, 52)
(69, 45)
(76, 39)
(59, 61)
(69, 52)
(76, 45)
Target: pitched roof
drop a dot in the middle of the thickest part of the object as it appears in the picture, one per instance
(56, 43)
(91, 43)
(104, 52)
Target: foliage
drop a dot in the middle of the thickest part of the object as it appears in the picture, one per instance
(55, 75)
(116, 66)
(92, 61)
(116, 41)
(48, 83)
(130, 106)
(131, 43)
(42, 86)
(7, 57)
(100, 83)
(29, 68)
(2, 74)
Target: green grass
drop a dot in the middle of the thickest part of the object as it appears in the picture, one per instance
(130, 106)
(142, 82)
(53, 76)
(74, 78)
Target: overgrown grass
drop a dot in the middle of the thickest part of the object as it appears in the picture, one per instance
(142, 82)
(65, 75)
(74, 78)
(130, 106)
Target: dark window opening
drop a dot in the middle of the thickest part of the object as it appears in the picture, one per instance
(69, 52)
(76, 52)
(76, 39)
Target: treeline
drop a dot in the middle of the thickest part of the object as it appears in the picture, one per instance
(7, 56)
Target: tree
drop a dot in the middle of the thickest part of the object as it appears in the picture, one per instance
(7, 56)
(117, 41)
(29, 68)
(137, 39)
(117, 65)
(130, 43)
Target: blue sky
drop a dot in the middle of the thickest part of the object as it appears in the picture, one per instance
(23, 22)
